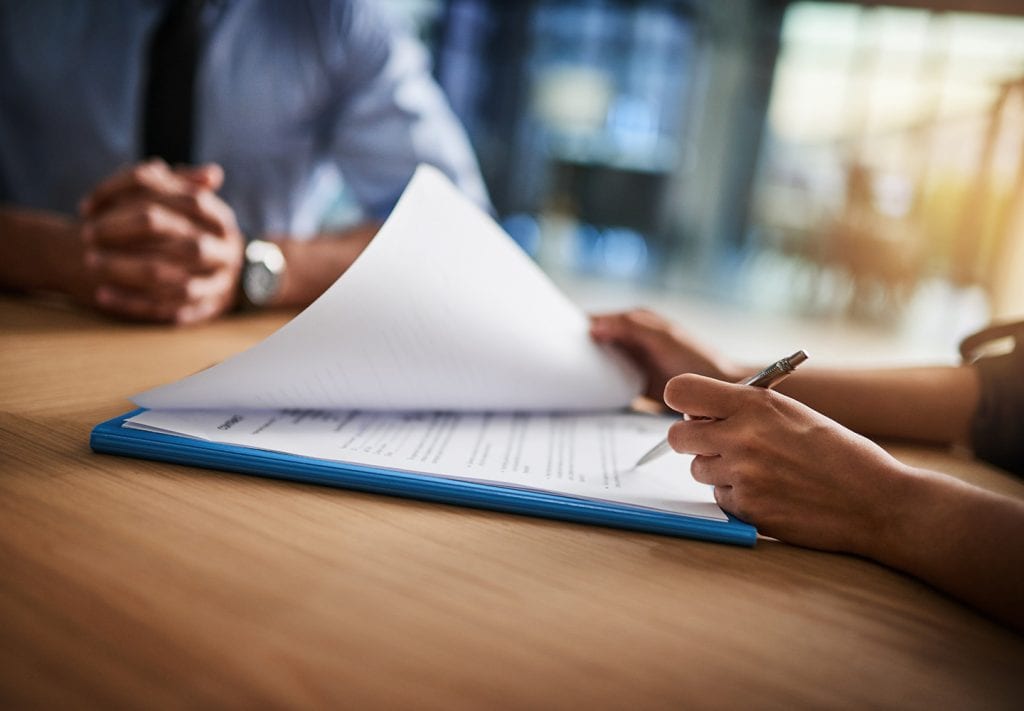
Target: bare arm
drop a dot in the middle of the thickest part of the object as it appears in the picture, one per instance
(961, 539)
(41, 251)
(803, 478)
(929, 404)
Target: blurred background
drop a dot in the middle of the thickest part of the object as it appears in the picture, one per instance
(759, 166)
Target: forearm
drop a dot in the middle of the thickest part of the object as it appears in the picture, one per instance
(39, 251)
(961, 539)
(932, 404)
(313, 265)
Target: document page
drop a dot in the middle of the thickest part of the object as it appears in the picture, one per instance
(586, 455)
(442, 311)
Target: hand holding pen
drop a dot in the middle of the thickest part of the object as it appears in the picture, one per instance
(767, 378)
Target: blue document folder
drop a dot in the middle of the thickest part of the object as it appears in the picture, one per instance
(111, 437)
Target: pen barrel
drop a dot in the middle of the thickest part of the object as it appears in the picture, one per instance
(776, 371)
(768, 375)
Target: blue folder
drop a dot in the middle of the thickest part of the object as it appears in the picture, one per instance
(111, 437)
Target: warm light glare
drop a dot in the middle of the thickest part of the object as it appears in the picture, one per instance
(845, 69)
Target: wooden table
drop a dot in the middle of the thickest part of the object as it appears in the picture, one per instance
(126, 583)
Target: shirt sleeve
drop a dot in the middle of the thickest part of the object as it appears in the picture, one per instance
(997, 431)
(389, 115)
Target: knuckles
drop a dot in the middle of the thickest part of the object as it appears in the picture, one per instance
(637, 317)
(147, 175)
(153, 272)
(700, 468)
(678, 436)
(645, 319)
(744, 449)
(192, 252)
(738, 504)
(677, 388)
(172, 278)
(149, 218)
(211, 206)
(140, 173)
(743, 502)
(763, 398)
(192, 201)
(742, 476)
(750, 495)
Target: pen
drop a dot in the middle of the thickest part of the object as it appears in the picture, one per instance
(769, 377)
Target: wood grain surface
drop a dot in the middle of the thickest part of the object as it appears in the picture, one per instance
(135, 584)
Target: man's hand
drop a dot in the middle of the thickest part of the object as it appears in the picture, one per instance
(659, 349)
(785, 468)
(160, 245)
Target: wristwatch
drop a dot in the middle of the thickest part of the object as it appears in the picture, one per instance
(262, 272)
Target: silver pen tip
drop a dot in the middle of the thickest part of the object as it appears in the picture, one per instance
(797, 358)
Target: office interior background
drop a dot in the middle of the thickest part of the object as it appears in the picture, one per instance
(826, 161)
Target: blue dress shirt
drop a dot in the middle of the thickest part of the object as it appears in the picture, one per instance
(290, 97)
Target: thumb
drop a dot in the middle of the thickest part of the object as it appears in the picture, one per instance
(699, 396)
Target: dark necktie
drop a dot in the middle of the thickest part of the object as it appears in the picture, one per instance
(169, 110)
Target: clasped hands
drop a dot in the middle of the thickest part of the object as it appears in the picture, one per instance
(159, 244)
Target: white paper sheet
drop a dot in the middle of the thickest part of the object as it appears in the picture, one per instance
(586, 455)
(442, 311)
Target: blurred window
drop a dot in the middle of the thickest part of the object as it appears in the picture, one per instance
(895, 145)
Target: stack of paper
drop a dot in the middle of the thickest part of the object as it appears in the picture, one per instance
(444, 351)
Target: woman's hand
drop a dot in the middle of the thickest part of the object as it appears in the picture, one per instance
(659, 349)
(788, 470)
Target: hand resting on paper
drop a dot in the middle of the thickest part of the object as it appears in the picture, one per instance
(659, 348)
(783, 463)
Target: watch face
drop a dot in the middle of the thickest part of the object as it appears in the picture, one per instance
(259, 283)
(264, 268)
